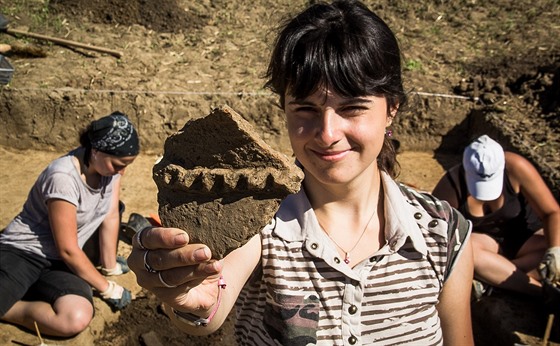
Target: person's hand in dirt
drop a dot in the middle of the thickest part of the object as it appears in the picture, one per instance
(187, 280)
(549, 268)
(116, 296)
(120, 268)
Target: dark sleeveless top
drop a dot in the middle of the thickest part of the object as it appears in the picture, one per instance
(514, 218)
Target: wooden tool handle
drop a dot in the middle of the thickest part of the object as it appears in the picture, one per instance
(65, 42)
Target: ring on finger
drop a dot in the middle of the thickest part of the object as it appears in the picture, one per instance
(146, 265)
(165, 283)
(139, 238)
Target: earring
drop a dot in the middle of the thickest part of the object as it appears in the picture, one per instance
(389, 133)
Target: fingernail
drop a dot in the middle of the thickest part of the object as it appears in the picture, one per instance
(181, 239)
(202, 254)
(212, 267)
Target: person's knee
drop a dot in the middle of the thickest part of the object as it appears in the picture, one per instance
(76, 322)
(477, 247)
(75, 314)
(483, 242)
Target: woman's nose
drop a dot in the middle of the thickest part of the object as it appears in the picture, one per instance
(329, 127)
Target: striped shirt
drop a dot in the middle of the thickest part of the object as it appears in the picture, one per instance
(303, 293)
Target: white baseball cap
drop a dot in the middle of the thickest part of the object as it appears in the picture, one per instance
(484, 163)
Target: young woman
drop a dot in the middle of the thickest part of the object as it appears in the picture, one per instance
(45, 274)
(516, 220)
(354, 257)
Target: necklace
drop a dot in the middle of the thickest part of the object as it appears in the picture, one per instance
(347, 253)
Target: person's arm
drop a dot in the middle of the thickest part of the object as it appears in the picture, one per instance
(524, 175)
(446, 190)
(62, 218)
(454, 302)
(189, 266)
(109, 229)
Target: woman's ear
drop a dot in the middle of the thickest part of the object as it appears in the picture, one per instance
(392, 114)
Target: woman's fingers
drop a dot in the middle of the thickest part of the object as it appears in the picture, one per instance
(159, 238)
(152, 261)
(163, 259)
(191, 275)
(179, 273)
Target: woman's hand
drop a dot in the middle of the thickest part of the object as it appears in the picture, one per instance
(180, 274)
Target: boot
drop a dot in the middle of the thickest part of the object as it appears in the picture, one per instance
(135, 224)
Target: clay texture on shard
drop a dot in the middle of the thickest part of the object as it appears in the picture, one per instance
(220, 182)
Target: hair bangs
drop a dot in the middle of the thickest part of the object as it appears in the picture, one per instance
(338, 62)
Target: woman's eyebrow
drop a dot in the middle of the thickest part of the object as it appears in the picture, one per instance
(353, 100)
(301, 102)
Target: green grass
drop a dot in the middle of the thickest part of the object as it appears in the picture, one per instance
(34, 14)
(413, 65)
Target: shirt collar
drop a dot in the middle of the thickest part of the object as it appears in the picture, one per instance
(296, 220)
(400, 223)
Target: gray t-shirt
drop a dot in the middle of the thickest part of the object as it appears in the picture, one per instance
(30, 230)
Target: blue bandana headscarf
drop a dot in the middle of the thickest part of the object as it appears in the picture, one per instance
(115, 135)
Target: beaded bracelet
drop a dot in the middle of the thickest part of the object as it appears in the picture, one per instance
(199, 321)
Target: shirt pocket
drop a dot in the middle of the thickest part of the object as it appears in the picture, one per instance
(292, 317)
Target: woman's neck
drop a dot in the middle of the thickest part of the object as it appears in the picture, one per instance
(354, 220)
(350, 203)
(88, 173)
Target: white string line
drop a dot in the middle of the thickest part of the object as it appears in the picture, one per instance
(222, 93)
(445, 95)
(157, 92)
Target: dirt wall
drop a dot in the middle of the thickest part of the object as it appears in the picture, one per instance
(36, 119)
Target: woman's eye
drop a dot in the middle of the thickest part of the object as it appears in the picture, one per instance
(353, 110)
(305, 112)
(304, 109)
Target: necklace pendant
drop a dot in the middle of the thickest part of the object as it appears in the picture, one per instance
(347, 258)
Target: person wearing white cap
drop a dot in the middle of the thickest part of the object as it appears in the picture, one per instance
(516, 219)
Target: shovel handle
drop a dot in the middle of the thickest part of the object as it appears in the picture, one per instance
(65, 42)
(548, 328)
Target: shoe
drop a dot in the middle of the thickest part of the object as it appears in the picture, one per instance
(136, 222)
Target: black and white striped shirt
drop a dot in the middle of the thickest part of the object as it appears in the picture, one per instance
(303, 293)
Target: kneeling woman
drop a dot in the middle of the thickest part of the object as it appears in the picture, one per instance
(46, 276)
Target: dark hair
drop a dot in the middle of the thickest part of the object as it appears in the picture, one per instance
(342, 46)
(85, 142)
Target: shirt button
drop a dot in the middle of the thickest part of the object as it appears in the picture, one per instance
(353, 309)
(314, 246)
(352, 340)
(433, 223)
(337, 260)
(417, 216)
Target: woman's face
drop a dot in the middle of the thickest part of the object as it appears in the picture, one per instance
(108, 165)
(337, 139)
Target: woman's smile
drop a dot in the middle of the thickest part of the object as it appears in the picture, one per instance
(331, 155)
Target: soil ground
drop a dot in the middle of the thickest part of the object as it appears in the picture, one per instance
(471, 66)
(143, 319)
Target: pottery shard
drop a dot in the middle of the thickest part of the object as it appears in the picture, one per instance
(220, 182)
